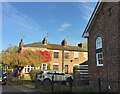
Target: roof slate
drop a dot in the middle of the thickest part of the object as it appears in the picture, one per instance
(56, 47)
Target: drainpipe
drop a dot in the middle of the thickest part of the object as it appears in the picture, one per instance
(62, 60)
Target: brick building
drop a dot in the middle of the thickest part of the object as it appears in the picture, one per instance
(62, 55)
(103, 34)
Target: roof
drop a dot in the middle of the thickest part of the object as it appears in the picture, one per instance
(92, 19)
(56, 47)
(84, 63)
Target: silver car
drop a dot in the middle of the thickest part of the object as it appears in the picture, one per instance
(46, 76)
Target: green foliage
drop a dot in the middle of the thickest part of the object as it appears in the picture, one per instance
(33, 74)
(28, 57)
(10, 50)
(85, 45)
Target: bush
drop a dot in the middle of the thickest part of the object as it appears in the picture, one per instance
(33, 74)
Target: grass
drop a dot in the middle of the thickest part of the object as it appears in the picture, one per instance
(66, 88)
(22, 80)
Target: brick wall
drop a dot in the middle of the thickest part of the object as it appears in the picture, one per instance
(66, 61)
(106, 26)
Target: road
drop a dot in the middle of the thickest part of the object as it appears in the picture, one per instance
(16, 89)
(8, 88)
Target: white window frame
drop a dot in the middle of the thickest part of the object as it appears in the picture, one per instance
(97, 59)
(54, 53)
(55, 63)
(25, 69)
(76, 64)
(85, 55)
(98, 43)
(45, 66)
(76, 53)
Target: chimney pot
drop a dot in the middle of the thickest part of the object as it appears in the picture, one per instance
(80, 45)
(44, 41)
(64, 42)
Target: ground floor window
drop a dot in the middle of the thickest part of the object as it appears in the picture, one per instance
(55, 67)
(99, 58)
(27, 69)
(44, 66)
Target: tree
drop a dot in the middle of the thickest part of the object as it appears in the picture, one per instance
(10, 50)
(85, 44)
(28, 57)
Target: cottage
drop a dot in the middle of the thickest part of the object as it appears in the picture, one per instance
(64, 57)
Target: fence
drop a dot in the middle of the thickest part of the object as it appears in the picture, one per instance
(80, 75)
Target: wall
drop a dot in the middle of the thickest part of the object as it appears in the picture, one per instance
(106, 26)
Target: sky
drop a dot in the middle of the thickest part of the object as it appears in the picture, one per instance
(32, 21)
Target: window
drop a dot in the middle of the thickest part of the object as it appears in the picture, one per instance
(66, 55)
(56, 54)
(99, 53)
(76, 55)
(85, 55)
(98, 43)
(27, 69)
(44, 66)
(99, 59)
(55, 67)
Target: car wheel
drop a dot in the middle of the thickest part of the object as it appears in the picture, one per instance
(5, 83)
(47, 82)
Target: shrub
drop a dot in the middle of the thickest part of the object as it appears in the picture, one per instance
(33, 74)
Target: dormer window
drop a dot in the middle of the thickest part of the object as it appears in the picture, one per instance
(99, 53)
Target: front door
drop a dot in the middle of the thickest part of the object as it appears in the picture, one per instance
(66, 69)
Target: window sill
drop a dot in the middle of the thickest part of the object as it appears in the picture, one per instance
(55, 58)
(76, 58)
(100, 65)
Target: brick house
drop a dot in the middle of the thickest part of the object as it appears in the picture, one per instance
(62, 55)
(103, 34)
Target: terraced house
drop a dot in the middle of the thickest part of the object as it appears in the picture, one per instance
(64, 57)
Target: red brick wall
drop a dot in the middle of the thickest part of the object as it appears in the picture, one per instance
(119, 43)
(106, 26)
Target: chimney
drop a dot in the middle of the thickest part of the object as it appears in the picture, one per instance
(20, 46)
(64, 42)
(44, 41)
(81, 45)
(21, 43)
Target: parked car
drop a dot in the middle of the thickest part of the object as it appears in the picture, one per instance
(3, 78)
(46, 77)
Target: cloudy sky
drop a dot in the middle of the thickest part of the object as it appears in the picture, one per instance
(31, 21)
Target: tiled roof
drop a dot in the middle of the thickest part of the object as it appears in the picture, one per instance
(56, 47)
(84, 63)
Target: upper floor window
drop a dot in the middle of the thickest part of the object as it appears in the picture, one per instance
(99, 53)
(98, 43)
(85, 55)
(56, 54)
(66, 54)
(76, 55)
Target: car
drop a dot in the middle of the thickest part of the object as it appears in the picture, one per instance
(3, 78)
(48, 76)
